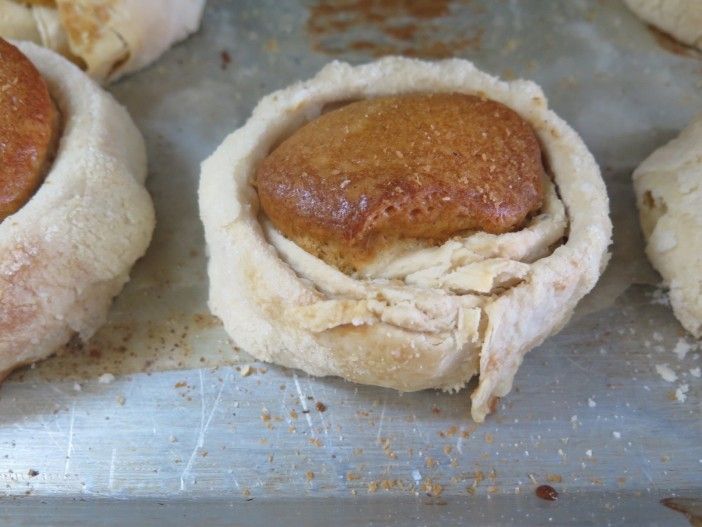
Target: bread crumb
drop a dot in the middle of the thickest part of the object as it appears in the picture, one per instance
(666, 373)
(682, 348)
(695, 372)
(680, 393)
(245, 370)
(591, 403)
(106, 378)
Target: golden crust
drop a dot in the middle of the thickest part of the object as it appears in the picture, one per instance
(411, 167)
(29, 129)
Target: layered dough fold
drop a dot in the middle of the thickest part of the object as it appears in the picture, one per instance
(68, 251)
(430, 317)
(109, 38)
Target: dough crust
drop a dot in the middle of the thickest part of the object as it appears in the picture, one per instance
(67, 252)
(668, 187)
(433, 317)
(110, 38)
(680, 18)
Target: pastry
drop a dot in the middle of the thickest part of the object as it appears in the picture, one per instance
(74, 214)
(681, 19)
(402, 223)
(668, 187)
(108, 38)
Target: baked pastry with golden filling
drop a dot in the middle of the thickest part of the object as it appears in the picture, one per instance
(332, 247)
(75, 216)
(394, 169)
(108, 38)
(29, 129)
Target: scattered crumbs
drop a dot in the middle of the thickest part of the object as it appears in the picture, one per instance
(448, 449)
(316, 442)
(489, 438)
(432, 488)
(77, 387)
(245, 370)
(680, 393)
(430, 463)
(373, 487)
(293, 414)
(265, 415)
(173, 439)
(617, 435)
(32, 473)
(533, 479)
(561, 453)
(246, 492)
(320, 406)
(682, 347)
(660, 297)
(657, 336)
(554, 478)
(695, 372)
(309, 475)
(591, 403)
(666, 373)
(588, 453)
(121, 400)
(106, 378)
(224, 58)
(180, 384)
(352, 476)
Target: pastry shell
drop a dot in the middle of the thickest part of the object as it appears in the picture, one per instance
(68, 251)
(283, 305)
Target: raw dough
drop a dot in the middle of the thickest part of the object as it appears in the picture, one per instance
(435, 317)
(680, 18)
(110, 38)
(668, 188)
(67, 252)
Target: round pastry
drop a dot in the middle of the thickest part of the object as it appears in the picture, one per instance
(682, 19)
(108, 38)
(75, 217)
(668, 187)
(403, 223)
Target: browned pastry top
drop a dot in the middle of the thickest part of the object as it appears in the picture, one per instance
(421, 166)
(29, 129)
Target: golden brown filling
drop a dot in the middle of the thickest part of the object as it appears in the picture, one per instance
(426, 167)
(29, 129)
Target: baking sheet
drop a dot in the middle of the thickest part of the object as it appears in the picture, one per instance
(218, 438)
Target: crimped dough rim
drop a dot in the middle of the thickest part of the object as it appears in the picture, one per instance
(67, 252)
(275, 313)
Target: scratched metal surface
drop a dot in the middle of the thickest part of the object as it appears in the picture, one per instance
(204, 443)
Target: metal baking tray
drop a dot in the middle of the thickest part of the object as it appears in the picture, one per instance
(192, 431)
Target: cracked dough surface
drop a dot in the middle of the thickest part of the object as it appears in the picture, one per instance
(68, 251)
(426, 318)
(668, 187)
(680, 18)
(111, 38)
